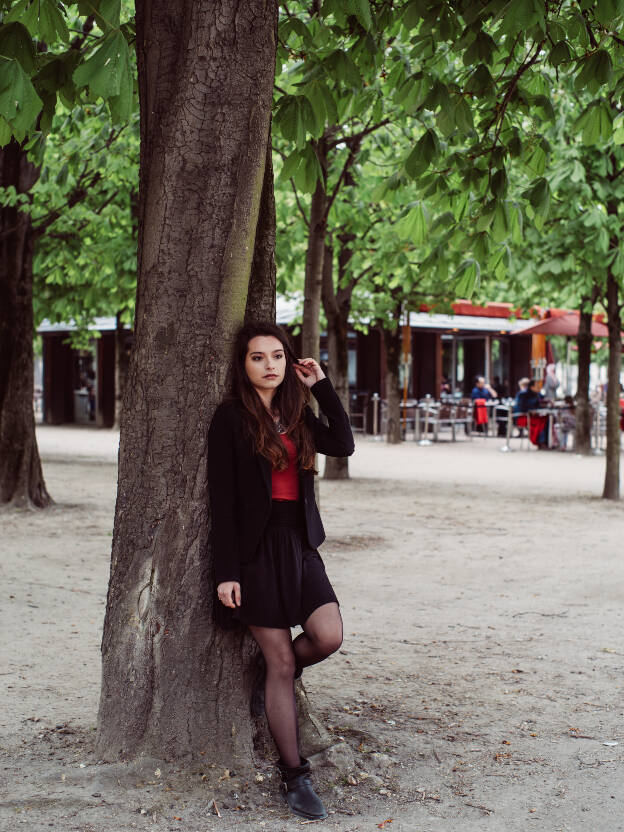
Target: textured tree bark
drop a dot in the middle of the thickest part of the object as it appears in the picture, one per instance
(582, 434)
(310, 330)
(337, 304)
(261, 295)
(121, 369)
(611, 489)
(392, 340)
(172, 684)
(21, 478)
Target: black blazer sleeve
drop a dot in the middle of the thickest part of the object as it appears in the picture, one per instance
(222, 493)
(335, 439)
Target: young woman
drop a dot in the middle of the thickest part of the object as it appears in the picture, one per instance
(266, 526)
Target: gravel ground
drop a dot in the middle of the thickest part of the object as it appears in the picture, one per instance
(479, 685)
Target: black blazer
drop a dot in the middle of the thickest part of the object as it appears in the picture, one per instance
(239, 480)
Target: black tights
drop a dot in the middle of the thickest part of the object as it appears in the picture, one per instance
(321, 636)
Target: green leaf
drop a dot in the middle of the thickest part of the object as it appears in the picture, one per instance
(414, 13)
(61, 177)
(596, 70)
(108, 14)
(480, 81)
(342, 67)
(361, 10)
(317, 102)
(597, 125)
(560, 53)
(438, 96)
(468, 278)
(481, 50)
(15, 42)
(290, 165)
(413, 226)
(618, 130)
(426, 149)
(42, 18)
(308, 172)
(498, 185)
(19, 103)
(578, 172)
(539, 196)
(537, 159)
(544, 104)
(618, 264)
(501, 226)
(108, 72)
(462, 115)
(6, 133)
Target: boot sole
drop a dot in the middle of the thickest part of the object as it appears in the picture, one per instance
(303, 814)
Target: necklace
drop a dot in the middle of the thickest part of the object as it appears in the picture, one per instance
(277, 421)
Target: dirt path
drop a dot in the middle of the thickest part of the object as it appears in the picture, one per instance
(479, 685)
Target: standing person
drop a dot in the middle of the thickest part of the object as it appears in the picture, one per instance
(551, 383)
(266, 527)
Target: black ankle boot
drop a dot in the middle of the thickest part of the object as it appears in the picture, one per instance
(298, 791)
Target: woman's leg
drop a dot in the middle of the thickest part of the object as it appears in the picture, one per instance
(321, 636)
(279, 695)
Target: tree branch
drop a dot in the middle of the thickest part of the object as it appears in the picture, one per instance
(358, 136)
(299, 205)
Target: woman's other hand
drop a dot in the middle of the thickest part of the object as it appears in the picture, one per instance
(308, 371)
(229, 594)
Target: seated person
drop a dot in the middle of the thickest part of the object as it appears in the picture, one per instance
(528, 399)
(482, 390)
(522, 388)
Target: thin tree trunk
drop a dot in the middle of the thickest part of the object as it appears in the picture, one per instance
(611, 489)
(173, 685)
(392, 339)
(121, 369)
(310, 330)
(21, 478)
(582, 434)
(336, 468)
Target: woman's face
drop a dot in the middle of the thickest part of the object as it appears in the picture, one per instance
(265, 362)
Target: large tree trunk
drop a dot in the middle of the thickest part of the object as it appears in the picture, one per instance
(392, 340)
(261, 295)
(336, 468)
(310, 330)
(173, 685)
(582, 434)
(611, 489)
(21, 477)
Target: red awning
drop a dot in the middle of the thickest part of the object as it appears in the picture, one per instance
(567, 324)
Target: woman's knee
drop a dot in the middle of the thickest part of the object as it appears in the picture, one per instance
(329, 641)
(281, 663)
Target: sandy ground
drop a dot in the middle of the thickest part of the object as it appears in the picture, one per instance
(479, 686)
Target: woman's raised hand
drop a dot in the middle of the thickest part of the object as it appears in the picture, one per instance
(308, 371)
(229, 594)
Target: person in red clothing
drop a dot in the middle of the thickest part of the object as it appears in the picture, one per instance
(266, 526)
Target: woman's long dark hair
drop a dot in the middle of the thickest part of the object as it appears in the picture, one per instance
(290, 399)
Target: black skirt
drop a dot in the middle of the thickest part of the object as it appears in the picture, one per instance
(286, 580)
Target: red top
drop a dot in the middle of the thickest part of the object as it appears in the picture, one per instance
(285, 484)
